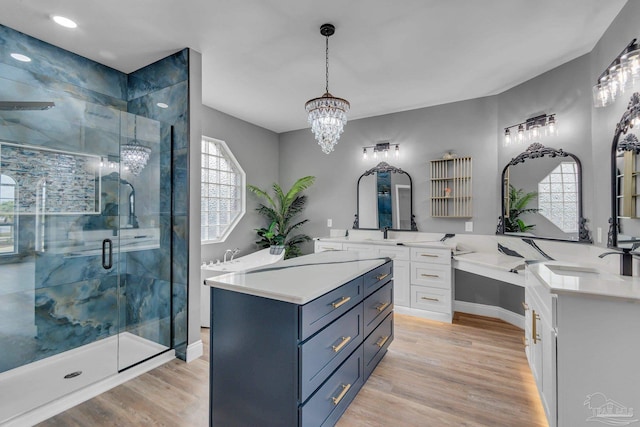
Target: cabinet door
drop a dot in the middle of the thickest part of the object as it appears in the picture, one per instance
(401, 284)
(548, 391)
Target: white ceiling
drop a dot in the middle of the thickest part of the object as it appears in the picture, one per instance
(263, 59)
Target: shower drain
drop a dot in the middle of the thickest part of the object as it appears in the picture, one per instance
(72, 375)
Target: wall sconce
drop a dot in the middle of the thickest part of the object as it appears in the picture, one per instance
(381, 149)
(532, 129)
(622, 74)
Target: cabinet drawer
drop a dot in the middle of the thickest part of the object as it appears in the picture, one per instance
(397, 252)
(377, 306)
(318, 313)
(359, 247)
(438, 256)
(429, 298)
(327, 405)
(377, 277)
(323, 353)
(436, 275)
(375, 346)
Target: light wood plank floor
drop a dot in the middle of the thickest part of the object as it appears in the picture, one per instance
(470, 373)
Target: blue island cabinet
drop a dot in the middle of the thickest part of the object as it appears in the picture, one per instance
(276, 363)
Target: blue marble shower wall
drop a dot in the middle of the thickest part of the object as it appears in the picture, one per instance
(64, 301)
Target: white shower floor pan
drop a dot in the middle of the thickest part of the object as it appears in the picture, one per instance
(34, 392)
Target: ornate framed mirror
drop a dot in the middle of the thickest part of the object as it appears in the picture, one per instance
(384, 199)
(542, 196)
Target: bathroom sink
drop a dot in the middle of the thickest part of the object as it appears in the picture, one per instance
(573, 270)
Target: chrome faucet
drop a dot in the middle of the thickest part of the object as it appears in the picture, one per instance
(234, 252)
(626, 261)
(228, 251)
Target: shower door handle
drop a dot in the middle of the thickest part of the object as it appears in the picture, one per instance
(107, 265)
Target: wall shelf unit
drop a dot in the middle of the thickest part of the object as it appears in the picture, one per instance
(451, 188)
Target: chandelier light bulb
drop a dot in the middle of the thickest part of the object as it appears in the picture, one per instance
(364, 154)
(397, 151)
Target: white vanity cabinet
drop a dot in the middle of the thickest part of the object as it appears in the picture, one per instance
(540, 342)
(583, 348)
(431, 282)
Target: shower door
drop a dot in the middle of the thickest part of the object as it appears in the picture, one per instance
(85, 287)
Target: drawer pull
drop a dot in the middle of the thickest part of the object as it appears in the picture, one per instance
(429, 275)
(342, 300)
(337, 348)
(338, 398)
(525, 306)
(382, 341)
(534, 327)
(430, 255)
(382, 276)
(381, 307)
(430, 299)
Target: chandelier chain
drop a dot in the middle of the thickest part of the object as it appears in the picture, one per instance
(327, 63)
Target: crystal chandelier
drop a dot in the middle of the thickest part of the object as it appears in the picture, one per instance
(327, 114)
(134, 155)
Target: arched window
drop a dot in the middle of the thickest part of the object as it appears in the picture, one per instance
(8, 217)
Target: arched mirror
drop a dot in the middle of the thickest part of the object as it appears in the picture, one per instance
(385, 199)
(542, 196)
(624, 229)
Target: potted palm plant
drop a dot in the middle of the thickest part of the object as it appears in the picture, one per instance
(282, 211)
(518, 201)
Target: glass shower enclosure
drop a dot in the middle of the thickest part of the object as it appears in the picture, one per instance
(85, 245)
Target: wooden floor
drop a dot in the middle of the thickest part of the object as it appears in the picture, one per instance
(470, 373)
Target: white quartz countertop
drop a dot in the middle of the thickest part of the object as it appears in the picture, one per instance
(387, 242)
(566, 278)
(299, 280)
(491, 260)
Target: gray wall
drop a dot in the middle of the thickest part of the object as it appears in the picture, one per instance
(467, 128)
(256, 149)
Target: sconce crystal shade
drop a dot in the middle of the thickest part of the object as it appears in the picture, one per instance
(620, 76)
(327, 117)
(135, 157)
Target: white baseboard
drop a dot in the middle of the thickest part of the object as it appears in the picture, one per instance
(425, 314)
(489, 311)
(194, 351)
(47, 411)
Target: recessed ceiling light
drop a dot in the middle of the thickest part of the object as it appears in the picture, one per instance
(20, 57)
(162, 105)
(65, 22)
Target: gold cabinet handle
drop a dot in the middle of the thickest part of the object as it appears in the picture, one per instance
(341, 301)
(525, 306)
(382, 276)
(429, 275)
(429, 255)
(524, 341)
(430, 299)
(382, 341)
(338, 398)
(534, 327)
(381, 307)
(337, 348)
